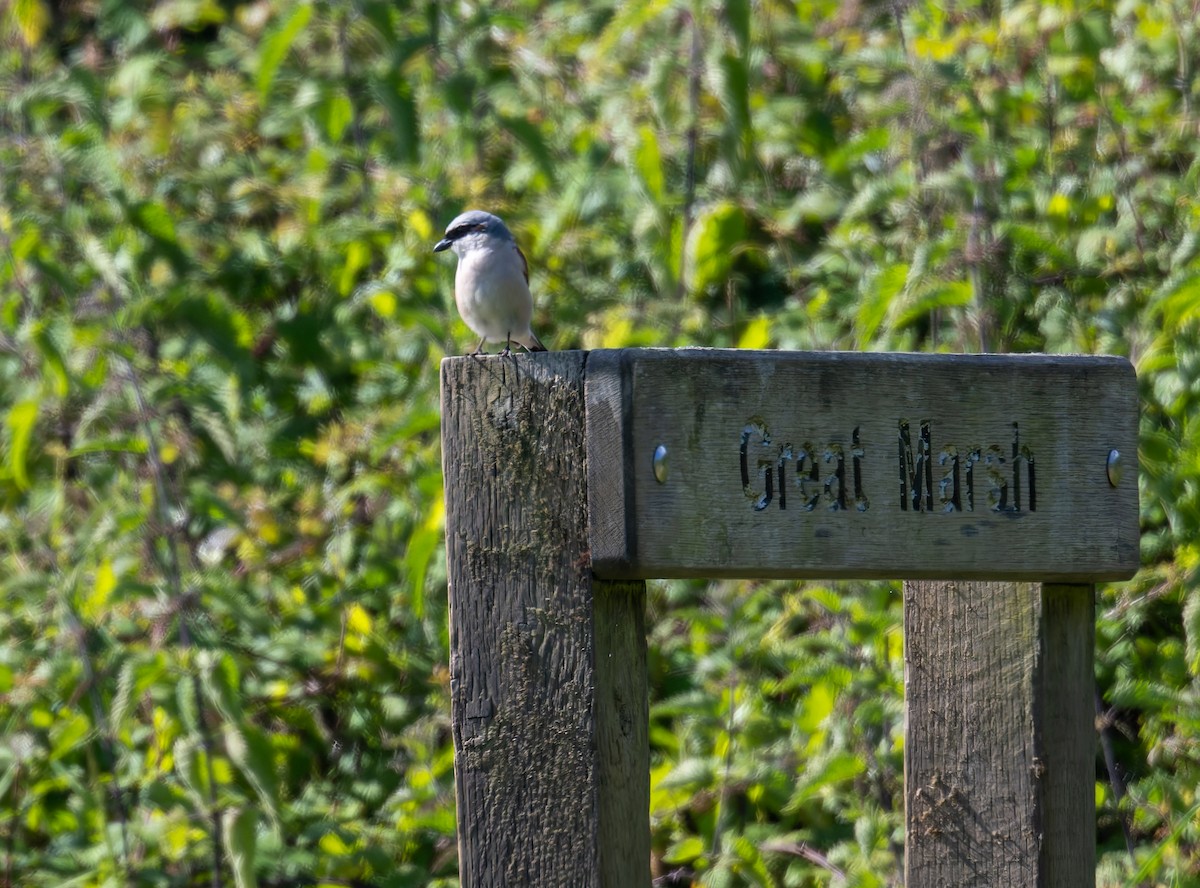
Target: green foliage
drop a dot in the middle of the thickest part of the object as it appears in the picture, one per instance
(220, 322)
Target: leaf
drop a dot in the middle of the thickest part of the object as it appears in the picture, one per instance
(757, 333)
(823, 773)
(817, 134)
(334, 845)
(719, 876)
(276, 45)
(1191, 634)
(629, 19)
(67, 734)
(219, 429)
(1045, 246)
(187, 705)
(226, 329)
(154, 219)
(32, 18)
(358, 620)
(250, 750)
(1059, 206)
(953, 294)
(111, 445)
(379, 14)
(20, 420)
(190, 762)
(877, 301)
(94, 604)
(533, 141)
(737, 14)
(817, 706)
(712, 244)
(240, 844)
(685, 851)
(421, 546)
(874, 196)
(123, 699)
(358, 257)
(694, 773)
(648, 160)
(1179, 300)
(223, 685)
(54, 366)
(843, 156)
(1186, 821)
(754, 865)
(336, 113)
(395, 93)
(735, 98)
(192, 15)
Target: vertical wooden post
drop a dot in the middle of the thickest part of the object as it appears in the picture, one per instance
(999, 740)
(548, 664)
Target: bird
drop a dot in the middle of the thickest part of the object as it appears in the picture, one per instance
(491, 283)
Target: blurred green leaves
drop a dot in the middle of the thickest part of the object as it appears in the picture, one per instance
(276, 44)
(220, 323)
(718, 234)
(20, 421)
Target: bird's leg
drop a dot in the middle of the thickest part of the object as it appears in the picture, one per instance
(507, 345)
(478, 348)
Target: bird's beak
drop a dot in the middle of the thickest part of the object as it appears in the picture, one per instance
(443, 244)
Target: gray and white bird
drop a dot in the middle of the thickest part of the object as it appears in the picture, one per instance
(491, 285)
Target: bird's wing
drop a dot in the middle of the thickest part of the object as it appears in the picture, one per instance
(524, 262)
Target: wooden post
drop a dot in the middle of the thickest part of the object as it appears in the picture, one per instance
(548, 664)
(999, 749)
(952, 472)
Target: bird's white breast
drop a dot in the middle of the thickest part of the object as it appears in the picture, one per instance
(491, 292)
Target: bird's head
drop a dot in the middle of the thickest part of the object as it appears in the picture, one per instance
(473, 229)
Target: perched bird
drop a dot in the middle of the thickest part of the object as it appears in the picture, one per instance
(491, 285)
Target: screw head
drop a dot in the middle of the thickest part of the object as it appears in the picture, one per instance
(660, 463)
(1115, 467)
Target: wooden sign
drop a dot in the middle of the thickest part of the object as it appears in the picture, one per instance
(729, 463)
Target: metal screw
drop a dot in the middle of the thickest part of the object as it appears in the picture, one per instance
(1115, 467)
(660, 463)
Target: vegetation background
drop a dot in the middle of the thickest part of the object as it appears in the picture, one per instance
(223, 622)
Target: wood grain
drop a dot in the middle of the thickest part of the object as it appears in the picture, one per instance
(549, 481)
(1065, 692)
(792, 464)
(548, 676)
(999, 741)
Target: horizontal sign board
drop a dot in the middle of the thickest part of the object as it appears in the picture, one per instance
(729, 463)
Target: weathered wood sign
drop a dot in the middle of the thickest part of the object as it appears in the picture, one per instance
(715, 463)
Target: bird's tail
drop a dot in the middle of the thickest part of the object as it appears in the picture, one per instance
(533, 344)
